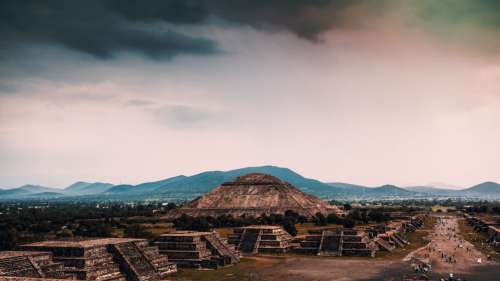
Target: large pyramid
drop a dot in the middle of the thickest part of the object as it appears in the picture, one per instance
(253, 195)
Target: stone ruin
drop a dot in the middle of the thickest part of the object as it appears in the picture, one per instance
(393, 235)
(117, 259)
(494, 237)
(339, 242)
(254, 195)
(28, 264)
(197, 249)
(262, 239)
(490, 228)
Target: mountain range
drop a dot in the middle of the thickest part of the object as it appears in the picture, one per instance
(180, 188)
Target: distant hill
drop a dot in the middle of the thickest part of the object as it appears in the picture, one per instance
(181, 188)
(25, 190)
(44, 195)
(434, 191)
(199, 184)
(352, 190)
(143, 187)
(391, 190)
(484, 189)
(87, 188)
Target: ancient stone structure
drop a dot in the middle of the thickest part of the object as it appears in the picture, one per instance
(340, 242)
(254, 195)
(108, 259)
(490, 228)
(392, 235)
(6, 278)
(262, 239)
(197, 249)
(30, 264)
(494, 237)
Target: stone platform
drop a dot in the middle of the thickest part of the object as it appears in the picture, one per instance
(340, 242)
(262, 239)
(107, 259)
(30, 264)
(197, 249)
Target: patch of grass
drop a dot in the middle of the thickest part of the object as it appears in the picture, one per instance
(117, 232)
(224, 231)
(304, 228)
(159, 228)
(246, 270)
(417, 239)
(443, 209)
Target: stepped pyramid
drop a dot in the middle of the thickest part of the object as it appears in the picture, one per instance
(253, 195)
(107, 259)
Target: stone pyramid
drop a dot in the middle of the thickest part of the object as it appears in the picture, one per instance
(253, 195)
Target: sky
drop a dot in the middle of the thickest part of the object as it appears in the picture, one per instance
(362, 91)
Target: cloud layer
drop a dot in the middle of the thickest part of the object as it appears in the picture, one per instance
(102, 28)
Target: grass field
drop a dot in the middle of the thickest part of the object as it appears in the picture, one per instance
(443, 209)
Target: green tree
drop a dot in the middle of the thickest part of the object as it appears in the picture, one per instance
(289, 226)
(137, 231)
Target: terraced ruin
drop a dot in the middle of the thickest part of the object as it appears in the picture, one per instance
(30, 264)
(393, 235)
(107, 259)
(490, 228)
(197, 249)
(341, 242)
(254, 195)
(261, 239)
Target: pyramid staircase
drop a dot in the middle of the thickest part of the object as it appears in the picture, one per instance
(261, 239)
(136, 263)
(221, 249)
(337, 243)
(20, 266)
(31, 264)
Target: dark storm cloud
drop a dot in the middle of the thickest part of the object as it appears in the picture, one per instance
(305, 18)
(93, 27)
(103, 27)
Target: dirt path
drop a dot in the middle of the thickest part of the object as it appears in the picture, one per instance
(448, 252)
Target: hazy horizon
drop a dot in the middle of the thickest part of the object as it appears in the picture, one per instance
(432, 184)
(364, 92)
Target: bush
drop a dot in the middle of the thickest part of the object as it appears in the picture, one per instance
(289, 226)
(320, 219)
(137, 231)
(349, 223)
(334, 219)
